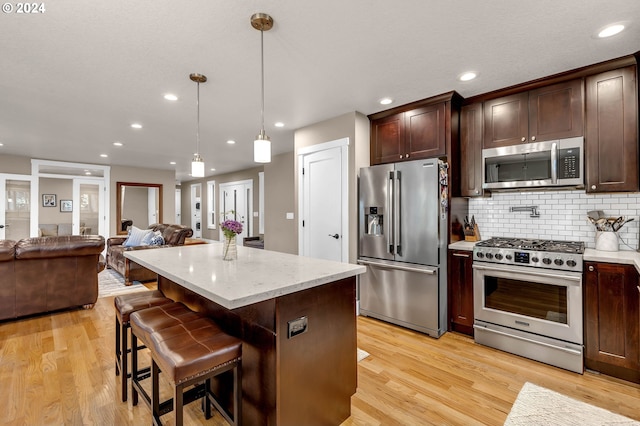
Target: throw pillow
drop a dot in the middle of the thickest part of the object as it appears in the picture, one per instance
(157, 239)
(136, 235)
(146, 240)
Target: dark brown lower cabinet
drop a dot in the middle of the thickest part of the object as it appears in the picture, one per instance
(612, 320)
(460, 291)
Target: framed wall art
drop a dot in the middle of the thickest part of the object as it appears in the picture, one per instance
(48, 200)
(66, 205)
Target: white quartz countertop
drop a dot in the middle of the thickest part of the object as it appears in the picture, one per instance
(256, 275)
(624, 257)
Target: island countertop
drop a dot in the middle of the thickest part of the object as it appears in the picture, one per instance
(256, 275)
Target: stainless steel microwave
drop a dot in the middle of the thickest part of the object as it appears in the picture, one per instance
(535, 165)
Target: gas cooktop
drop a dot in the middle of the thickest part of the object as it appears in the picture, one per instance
(549, 254)
(538, 245)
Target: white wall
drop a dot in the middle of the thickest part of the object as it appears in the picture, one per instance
(563, 215)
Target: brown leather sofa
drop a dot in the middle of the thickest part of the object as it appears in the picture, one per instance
(174, 235)
(49, 273)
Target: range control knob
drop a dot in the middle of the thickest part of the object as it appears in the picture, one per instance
(571, 263)
(546, 261)
(535, 259)
(559, 262)
(489, 256)
(509, 257)
(498, 256)
(479, 255)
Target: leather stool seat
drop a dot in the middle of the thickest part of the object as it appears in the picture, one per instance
(159, 317)
(188, 354)
(125, 305)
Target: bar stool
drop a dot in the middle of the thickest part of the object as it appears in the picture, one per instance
(125, 305)
(189, 354)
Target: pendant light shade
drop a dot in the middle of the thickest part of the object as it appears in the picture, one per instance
(262, 144)
(262, 148)
(197, 164)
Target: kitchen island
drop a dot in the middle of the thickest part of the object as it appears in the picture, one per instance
(295, 315)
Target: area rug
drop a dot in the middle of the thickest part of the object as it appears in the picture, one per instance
(111, 283)
(362, 354)
(539, 406)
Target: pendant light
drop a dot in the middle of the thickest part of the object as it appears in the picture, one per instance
(197, 165)
(262, 145)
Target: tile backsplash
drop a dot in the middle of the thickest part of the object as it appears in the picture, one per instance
(563, 215)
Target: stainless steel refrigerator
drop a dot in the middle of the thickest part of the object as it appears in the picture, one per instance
(402, 241)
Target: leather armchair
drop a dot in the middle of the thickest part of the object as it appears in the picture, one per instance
(174, 235)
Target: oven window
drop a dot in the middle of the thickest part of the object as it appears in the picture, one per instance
(536, 300)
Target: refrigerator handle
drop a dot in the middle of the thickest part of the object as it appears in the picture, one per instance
(398, 215)
(390, 212)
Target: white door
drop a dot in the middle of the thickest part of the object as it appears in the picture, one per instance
(236, 203)
(324, 202)
(178, 206)
(88, 207)
(15, 199)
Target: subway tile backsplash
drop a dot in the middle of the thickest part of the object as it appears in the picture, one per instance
(563, 215)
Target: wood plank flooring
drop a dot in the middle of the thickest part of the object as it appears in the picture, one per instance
(59, 369)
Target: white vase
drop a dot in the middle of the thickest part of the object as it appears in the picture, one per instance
(606, 241)
(229, 249)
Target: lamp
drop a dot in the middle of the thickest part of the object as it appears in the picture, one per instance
(262, 144)
(197, 165)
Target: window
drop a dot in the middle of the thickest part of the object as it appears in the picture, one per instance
(211, 204)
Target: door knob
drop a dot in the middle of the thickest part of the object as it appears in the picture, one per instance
(1, 226)
(336, 236)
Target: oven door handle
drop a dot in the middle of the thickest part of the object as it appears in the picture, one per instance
(429, 271)
(535, 273)
(524, 339)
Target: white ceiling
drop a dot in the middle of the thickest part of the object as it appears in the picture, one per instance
(74, 78)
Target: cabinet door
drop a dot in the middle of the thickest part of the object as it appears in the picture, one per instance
(387, 139)
(460, 289)
(556, 111)
(425, 132)
(506, 120)
(611, 134)
(471, 132)
(611, 327)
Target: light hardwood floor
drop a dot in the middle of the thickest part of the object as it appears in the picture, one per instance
(59, 369)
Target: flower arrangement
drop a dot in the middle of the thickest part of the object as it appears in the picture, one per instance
(230, 228)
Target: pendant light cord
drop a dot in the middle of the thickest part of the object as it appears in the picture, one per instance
(262, 71)
(198, 120)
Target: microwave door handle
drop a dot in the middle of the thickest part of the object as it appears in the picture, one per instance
(554, 163)
(390, 213)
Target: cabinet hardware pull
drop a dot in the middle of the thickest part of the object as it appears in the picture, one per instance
(638, 287)
(460, 255)
(401, 156)
(533, 138)
(590, 268)
(407, 155)
(593, 187)
(523, 139)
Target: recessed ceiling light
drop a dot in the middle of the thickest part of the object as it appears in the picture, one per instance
(279, 124)
(173, 163)
(87, 173)
(170, 97)
(117, 143)
(1, 144)
(470, 75)
(231, 141)
(611, 30)
(103, 155)
(136, 126)
(386, 101)
(213, 170)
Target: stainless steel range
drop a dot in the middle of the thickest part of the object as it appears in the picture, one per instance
(528, 299)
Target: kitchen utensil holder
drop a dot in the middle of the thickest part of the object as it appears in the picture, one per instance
(472, 234)
(606, 241)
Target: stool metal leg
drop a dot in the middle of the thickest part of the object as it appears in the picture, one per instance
(117, 346)
(134, 369)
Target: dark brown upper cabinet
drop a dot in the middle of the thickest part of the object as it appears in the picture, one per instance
(611, 134)
(471, 132)
(547, 113)
(422, 129)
